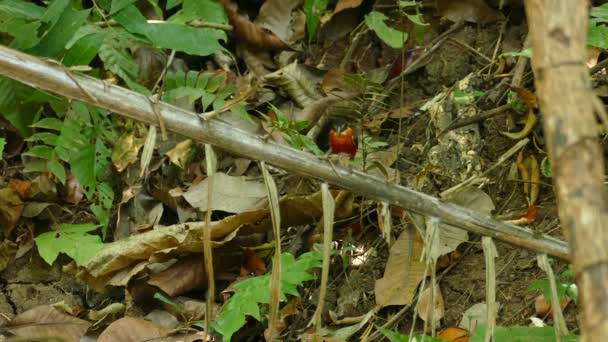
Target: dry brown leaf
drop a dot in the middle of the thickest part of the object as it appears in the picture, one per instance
(8, 250)
(534, 179)
(46, 321)
(403, 271)
(125, 150)
(185, 275)
(133, 329)
(180, 153)
(475, 11)
(10, 210)
(425, 306)
(529, 123)
(162, 243)
(345, 4)
(250, 33)
(279, 17)
(523, 172)
(230, 194)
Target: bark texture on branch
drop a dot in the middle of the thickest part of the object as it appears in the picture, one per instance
(59, 80)
(558, 31)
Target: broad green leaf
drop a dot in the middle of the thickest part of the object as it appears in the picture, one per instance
(390, 36)
(19, 9)
(203, 10)
(597, 36)
(102, 209)
(118, 5)
(11, 107)
(313, 10)
(173, 3)
(49, 123)
(416, 19)
(54, 11)
(2, 144)
(84, 50)
(116, 57)
(521, 334)
(47, 138)
(600, 12)
(25, 33)
(191, 40)
(40, 151)
(55, 40)
(72, 240)
(83, 166)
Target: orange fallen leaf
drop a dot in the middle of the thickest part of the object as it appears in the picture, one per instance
(23, 188)
(543, 306)
(454, 334)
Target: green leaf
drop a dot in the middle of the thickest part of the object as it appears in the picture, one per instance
(204, 10)
(521, 334)
(57, 169)
(390, 36)
(83, 166)
(191, 40)
(84, 50)
(40, 151)
(525, 53)
(416, 19)
(406, 4)
(116, 57)
(173, 3)
(597, 36)
(251, 292)
(313, 10)
(600, 12)
(55, 39)
(11, 107)
(18, 9)
(397, 337)
(49, 123)
(72, 240)
(118, 5)
(25, 33)
(2, 144)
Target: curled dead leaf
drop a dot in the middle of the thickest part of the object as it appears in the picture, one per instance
(529, 123)
(425, 305)
(250, 33)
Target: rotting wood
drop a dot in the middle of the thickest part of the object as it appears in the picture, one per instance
(558, 31)
(44, 75)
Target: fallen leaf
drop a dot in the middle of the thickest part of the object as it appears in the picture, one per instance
(403, 271)
(10, 210)
(249, 32)
(185, 275)
(474, 316)
(345, 4)
(46, 321)
(180, 154)
(23, 188)
(279, 17)
(133, 329)
(454, 334)
(125, 150)
(425, 306)
(230, 194)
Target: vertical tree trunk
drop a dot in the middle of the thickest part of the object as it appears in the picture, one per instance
(558, 31)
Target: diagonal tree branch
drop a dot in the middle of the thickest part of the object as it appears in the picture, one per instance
(44, 75)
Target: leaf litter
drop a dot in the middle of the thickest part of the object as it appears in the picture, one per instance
(151, 258)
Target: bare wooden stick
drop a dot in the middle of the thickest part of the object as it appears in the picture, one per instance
(41, 74)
